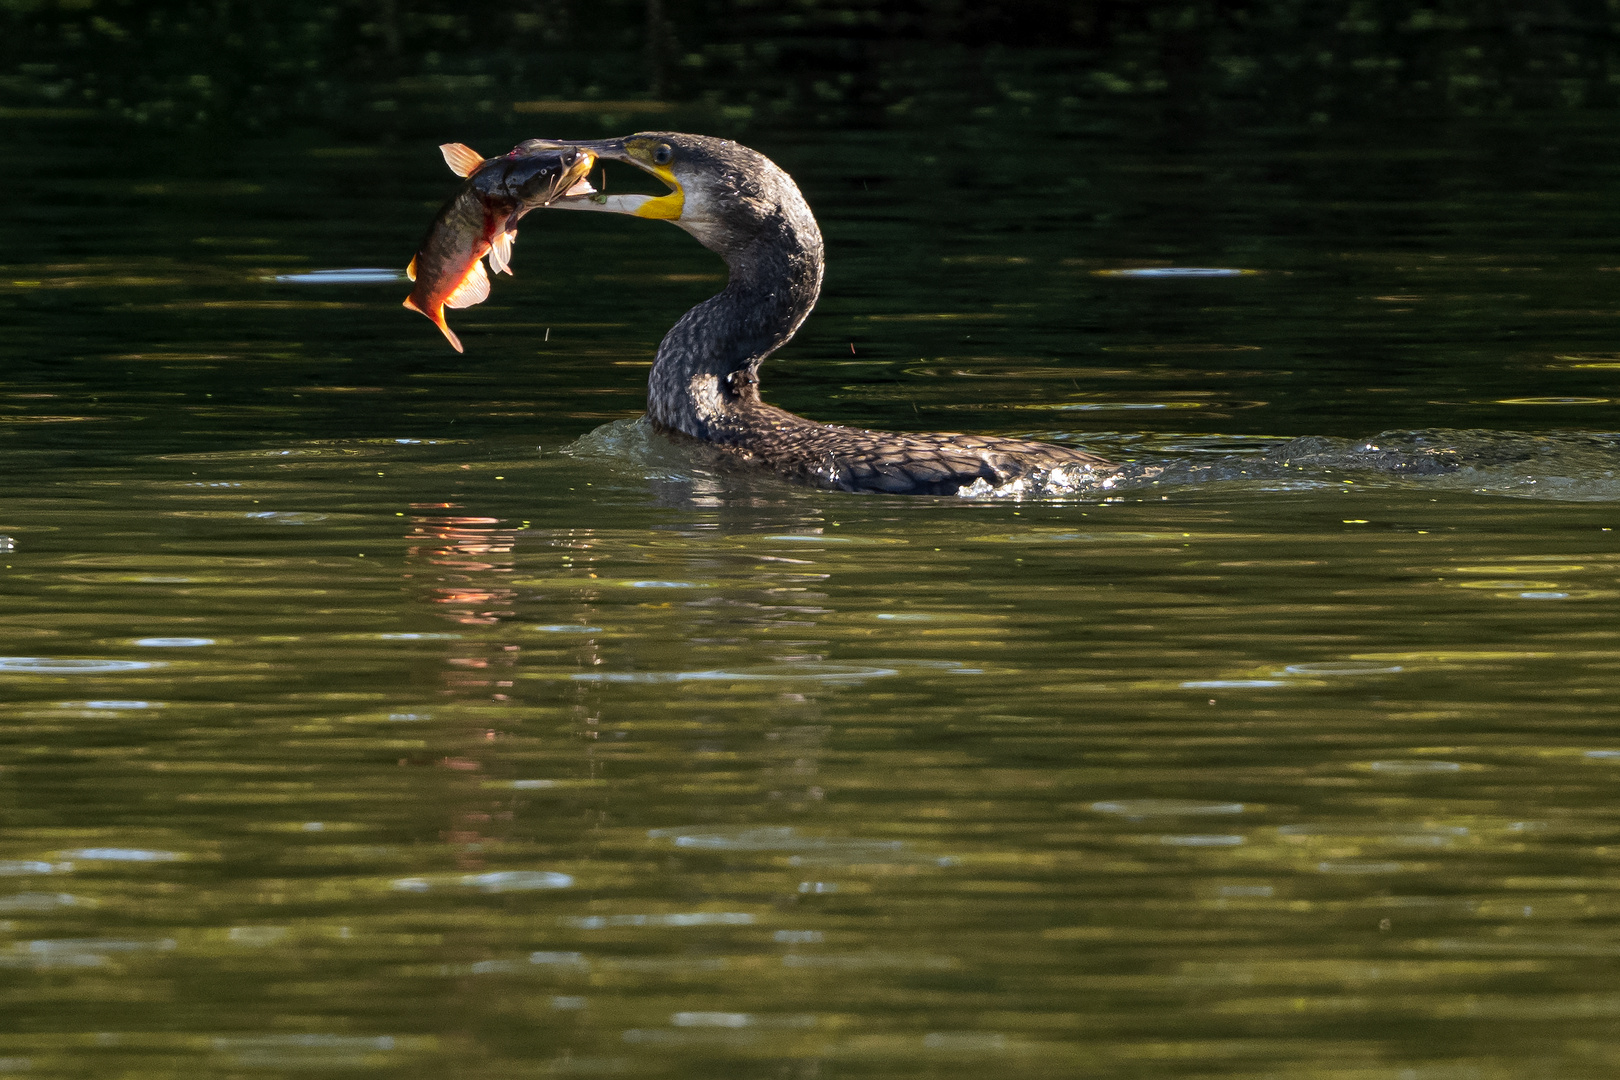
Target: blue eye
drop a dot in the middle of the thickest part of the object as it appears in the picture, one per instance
(663, 154)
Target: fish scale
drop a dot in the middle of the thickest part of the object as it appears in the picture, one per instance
(481, 219)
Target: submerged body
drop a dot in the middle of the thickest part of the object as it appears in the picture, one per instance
(897, 463)
(705, 380)
(482, 220)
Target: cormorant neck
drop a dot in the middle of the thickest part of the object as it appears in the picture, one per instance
(706, 374)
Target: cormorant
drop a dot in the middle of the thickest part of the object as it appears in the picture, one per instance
(705, 380)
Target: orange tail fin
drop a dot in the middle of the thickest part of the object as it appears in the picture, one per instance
(438, 320)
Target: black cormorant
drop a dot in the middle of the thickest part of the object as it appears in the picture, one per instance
(705, 379)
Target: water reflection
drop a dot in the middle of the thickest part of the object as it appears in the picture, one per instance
(343, 729)
(312, 1051)
(1577, 466)
(129, 855)
(357, 276)
(497, 881)
(44, 665)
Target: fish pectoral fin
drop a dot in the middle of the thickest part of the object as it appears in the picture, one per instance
(461, 159)
(474, 288)
(410, 271)
(500, 252)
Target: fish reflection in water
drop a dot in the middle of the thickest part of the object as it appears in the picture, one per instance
(463, 567)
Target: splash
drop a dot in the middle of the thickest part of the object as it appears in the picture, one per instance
(1565, 466)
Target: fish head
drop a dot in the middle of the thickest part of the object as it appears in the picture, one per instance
(651, 153)
(533, 178)
(719, 191)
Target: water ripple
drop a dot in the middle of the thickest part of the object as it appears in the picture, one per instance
(358, 276)
(122, 855)
(807, 670)
(1139, 808)
(497, 881)
(44, 665)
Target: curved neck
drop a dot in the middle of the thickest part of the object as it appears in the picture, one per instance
(707, 370)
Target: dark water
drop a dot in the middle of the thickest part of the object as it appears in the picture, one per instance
(365, 712)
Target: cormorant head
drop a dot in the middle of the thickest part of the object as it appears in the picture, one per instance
(721, 192)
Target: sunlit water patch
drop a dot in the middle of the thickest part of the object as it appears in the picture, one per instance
(1175, 272)
(356, 276)
(1278, 756)
(44, 665)
(791, 672)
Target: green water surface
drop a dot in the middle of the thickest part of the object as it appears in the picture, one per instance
(357, 719)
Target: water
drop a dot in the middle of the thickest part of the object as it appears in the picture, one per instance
(368, 708)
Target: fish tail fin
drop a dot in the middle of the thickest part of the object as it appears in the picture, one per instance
(461, 159)
(449, 334)
(438, 320)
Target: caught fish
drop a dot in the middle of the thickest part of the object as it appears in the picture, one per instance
(482, 220)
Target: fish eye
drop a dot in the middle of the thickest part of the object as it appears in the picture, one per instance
(662, 154)
(570, 157)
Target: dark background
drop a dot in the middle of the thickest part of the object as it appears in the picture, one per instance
(393, 66)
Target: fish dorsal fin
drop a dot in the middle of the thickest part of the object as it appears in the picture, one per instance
(410, 271)
(474, 288)
(500, 252)
(461, 159)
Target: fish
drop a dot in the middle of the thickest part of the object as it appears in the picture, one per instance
(481, 219)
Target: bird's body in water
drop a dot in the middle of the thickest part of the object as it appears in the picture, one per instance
(704, 383)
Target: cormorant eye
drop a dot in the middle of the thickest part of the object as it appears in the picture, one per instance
(662, 154)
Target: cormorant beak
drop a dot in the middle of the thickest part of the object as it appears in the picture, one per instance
(635, 150)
